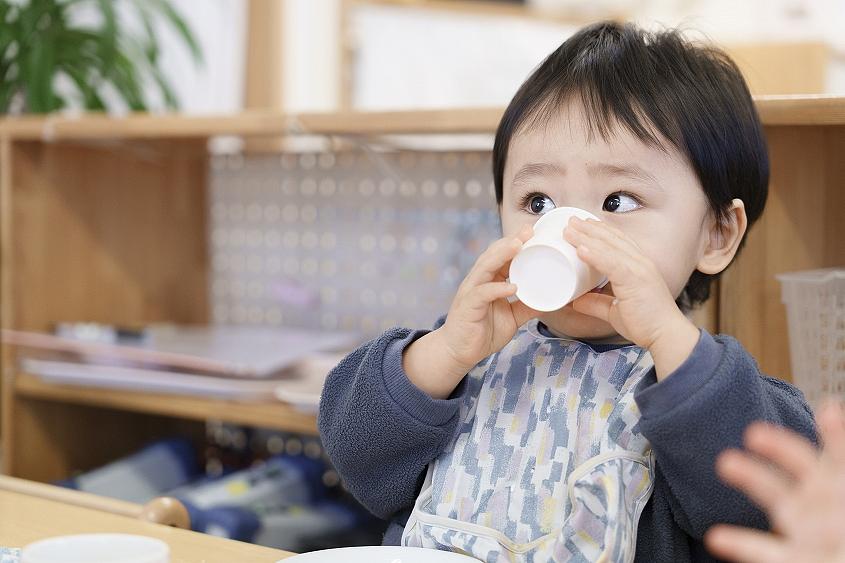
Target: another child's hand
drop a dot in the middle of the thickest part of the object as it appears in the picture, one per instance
(802, 492)
(480, 320)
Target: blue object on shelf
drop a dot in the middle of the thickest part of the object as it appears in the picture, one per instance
(142, 476)
(233, 522)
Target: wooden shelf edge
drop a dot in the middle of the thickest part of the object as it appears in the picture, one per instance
(70, 496)
(491, 8)
(801, 110)
(250, 123)
(273, 415)
(774, 110)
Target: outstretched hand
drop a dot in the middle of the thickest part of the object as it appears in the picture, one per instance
(801, 490)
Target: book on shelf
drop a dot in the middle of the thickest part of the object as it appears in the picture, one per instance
(236, 363)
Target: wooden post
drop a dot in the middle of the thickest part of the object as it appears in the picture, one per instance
(264, 65)
(6, 320)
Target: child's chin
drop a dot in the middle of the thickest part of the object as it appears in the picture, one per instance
(570, 322)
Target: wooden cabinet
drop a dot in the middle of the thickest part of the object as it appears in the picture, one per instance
(104, 219)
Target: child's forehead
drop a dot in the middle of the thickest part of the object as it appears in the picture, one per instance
(568, 137)
(570, 123)
(566, 146)
(565, 151)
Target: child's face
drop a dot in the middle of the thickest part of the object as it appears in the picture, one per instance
(652, 196)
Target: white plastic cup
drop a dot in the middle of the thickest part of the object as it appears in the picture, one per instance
(547, 271)
(97, 548)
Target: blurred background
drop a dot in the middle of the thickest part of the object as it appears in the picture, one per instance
(205, 204)
(305, 56)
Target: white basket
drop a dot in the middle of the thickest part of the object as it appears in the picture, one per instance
(815, 311)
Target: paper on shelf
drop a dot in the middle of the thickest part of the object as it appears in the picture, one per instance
(303, 391)
(154, 381)
(245, 352)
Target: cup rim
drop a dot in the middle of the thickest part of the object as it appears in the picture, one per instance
(578, 213)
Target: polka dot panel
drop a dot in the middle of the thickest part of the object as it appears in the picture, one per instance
(353, 240)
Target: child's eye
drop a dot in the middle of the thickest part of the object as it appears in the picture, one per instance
(534, 203)
(621, 202)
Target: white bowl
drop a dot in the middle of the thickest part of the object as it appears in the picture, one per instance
(97, 548)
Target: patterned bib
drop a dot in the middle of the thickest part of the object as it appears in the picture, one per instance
(547, 462)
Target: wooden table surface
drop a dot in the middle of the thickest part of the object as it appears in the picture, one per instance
(26, 518)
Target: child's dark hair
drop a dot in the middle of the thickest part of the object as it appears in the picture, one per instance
(654, 82)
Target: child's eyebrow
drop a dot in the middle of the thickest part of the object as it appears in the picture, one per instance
(533, 169)
(627, 170)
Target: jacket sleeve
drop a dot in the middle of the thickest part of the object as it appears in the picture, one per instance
(379, 430)
(703, 408)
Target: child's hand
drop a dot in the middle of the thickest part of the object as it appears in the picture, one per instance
(642, 308)
(480, 320)
(802, 492)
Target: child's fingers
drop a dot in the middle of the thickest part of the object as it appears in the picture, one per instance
(525, 232)
(763, 484)
(831, 423)
(744, 545)
(492, 261)
(602, 231)
(608, 259)
(594, 304)
(790, 451)
(479, 298)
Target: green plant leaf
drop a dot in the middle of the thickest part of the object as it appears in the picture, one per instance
(125, 79)
(7, 30)
(8, 52)
(27, 17)
(150, 45)
(39, 67)
(109, 32)
(179, 24)
(40, 40)
(91, 96)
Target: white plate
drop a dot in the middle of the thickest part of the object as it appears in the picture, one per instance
(379, 554)
(88, 548)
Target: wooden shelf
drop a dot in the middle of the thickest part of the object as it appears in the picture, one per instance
(489, 8)
(251, 123)
(774, 110)
(273, 415)
(801, 110)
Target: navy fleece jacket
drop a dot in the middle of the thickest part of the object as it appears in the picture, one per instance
(381, 432)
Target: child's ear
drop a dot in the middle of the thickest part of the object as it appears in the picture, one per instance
(723, 239)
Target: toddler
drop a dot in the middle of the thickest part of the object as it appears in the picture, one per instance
(588, 433)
